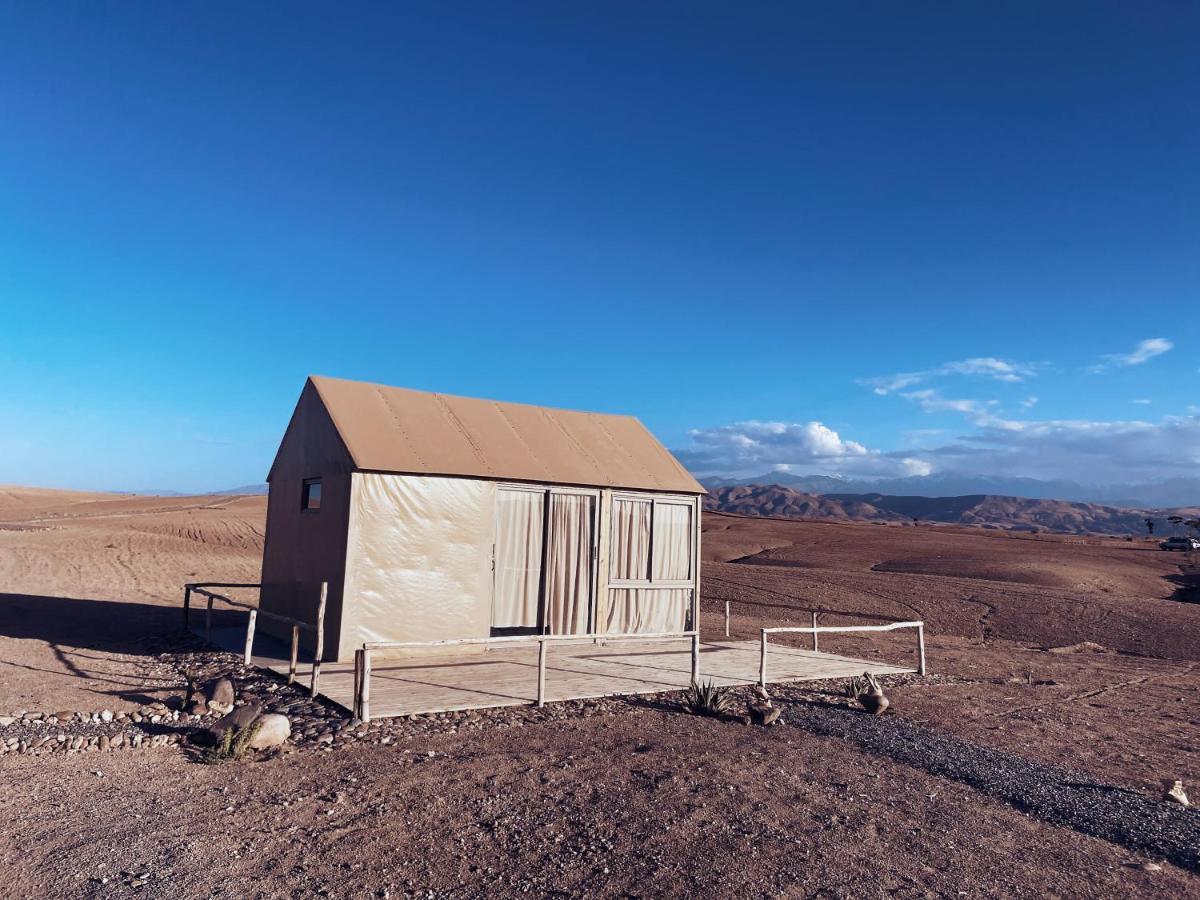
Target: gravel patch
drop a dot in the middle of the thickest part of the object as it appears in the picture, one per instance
(1059, 796)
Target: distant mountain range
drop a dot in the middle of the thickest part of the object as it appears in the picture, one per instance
(985, 510)
(157, 492)
(1173, 492)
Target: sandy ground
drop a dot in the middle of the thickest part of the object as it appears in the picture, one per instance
(645, 801)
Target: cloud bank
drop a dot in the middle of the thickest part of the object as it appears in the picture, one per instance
(753, 447)
(1073, 449)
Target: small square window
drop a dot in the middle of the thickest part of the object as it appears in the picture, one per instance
(310, 499)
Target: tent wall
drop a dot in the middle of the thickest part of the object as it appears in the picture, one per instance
(302, 548)
(419, 559)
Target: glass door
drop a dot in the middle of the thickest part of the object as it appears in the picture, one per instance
(517, 562)
(570, 558)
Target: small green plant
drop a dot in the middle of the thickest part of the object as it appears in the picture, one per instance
(706, 700)
(232, 746)
(855, 686)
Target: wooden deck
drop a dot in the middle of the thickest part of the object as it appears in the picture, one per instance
(508, 677)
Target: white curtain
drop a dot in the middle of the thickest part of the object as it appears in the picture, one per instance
(672, 542)
(647, 610)
(569, 564)
(518, 558)
(629, 549)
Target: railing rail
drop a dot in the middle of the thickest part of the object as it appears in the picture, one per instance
(203, 589)
(815, 629)
(815, 613)
(362, 656)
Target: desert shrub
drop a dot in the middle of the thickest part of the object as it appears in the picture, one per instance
(706, 700)
(232, 746)
(855, 686)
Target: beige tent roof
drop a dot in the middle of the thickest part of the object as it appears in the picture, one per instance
(390, 429)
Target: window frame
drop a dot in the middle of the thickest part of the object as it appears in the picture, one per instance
(655, 501)
(305, 484)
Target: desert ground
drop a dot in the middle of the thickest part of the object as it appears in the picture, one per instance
(1069, 659)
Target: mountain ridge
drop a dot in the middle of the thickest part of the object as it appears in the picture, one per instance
(991, 511)
(1173, 492)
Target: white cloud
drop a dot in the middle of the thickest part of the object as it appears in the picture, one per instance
(1143, 352)
(752, 447)
(1029, 402)
(979, 367)
(931, 401)
(1142, 401)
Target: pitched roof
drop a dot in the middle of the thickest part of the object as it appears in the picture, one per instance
(391, 429)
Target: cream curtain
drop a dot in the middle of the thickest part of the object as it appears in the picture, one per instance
(647, 610)
(672, 542)
(630, 545)
(569, 564)
(518, 558)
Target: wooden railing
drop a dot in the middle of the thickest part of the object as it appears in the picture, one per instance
(729, 603)
(204, 590)
(839, 629)
(362, 657)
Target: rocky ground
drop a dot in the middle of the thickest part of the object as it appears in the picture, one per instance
(1026, 765)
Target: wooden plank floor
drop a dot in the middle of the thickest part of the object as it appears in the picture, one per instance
(508, 677)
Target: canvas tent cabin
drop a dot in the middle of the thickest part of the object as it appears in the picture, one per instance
(433, 517)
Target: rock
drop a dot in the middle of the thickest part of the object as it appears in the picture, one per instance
(874, 703)
(237, 720)
(1151, 867)
(219, 694)
(7, 720)
(1175, 793)
(273, 730)
(1081, 647)
(764, 713)
(106, 716)
(64, 716)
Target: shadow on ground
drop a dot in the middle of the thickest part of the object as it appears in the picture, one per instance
(54, 646)
(1187, 583)
(106, 626)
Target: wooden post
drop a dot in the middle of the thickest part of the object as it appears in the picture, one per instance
(541, 692)
(250, 634)
(365, 703)
(814, 631)
(762, 660)
(356, 702)
(295, 653)
(697, 515)
(726, 618)
(921, 649)
(316, 672)
(695, 659)
(187, 606)
(208, 621)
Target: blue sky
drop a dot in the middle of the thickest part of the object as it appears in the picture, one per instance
(740, 223)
